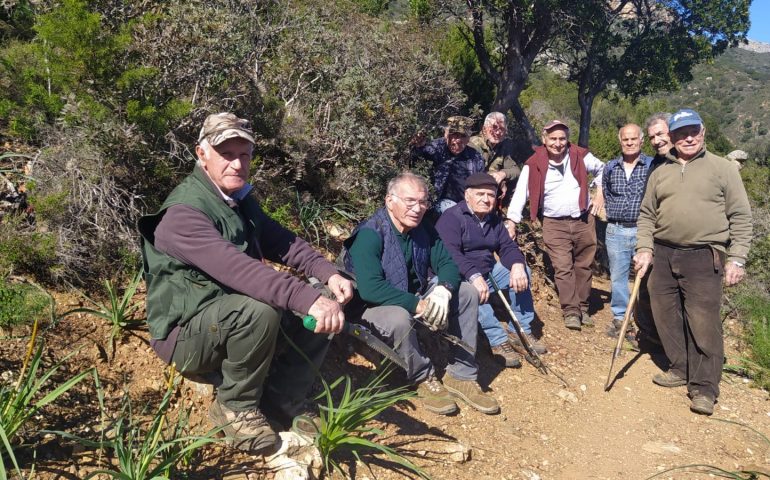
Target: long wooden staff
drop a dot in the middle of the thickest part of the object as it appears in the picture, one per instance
(622, 332)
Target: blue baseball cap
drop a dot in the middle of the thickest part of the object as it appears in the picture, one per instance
(684, 118)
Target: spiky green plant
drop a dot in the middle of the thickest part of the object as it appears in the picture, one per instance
(120, 312)
(347, 425)
(20, 402)
(148, 450)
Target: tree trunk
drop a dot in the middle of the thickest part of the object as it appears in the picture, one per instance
(508, 101)
(586, 101)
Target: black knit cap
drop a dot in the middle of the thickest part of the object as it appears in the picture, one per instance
(481, 180)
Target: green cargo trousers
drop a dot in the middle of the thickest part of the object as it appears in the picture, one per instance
(240, 337)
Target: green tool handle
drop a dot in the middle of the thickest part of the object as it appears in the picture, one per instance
(308, 321)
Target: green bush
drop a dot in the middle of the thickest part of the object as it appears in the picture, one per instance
(21, 304)
(23, 249)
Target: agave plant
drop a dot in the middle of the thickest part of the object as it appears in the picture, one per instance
(120, 312)
(22, 401)
(148, 450)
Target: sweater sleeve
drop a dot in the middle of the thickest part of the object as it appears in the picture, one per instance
(738, 213)
(188, 235)
(450, 229)
(510, 252)
(366, 255)
(442, 264)
(281, 245)
(519, 195)
(648, 211)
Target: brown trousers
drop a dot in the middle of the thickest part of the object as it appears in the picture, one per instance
(571, 245)
(686, 292)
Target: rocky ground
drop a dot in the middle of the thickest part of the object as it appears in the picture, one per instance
(546, 430)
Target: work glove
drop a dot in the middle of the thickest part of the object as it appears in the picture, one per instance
(436, 309)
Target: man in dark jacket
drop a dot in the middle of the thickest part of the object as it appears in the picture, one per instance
(473, 233)
(215, 308)
(453, 160)
(392, 255)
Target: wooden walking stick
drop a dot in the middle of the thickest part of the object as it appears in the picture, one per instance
(622, 332)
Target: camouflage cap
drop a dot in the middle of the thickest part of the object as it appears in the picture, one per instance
(459, 124)
(219, 127)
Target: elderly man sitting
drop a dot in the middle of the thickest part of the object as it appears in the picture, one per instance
(215, 307)
(473, 234)
(393, 254)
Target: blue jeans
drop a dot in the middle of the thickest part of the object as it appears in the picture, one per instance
(620, 242)
(521, 304)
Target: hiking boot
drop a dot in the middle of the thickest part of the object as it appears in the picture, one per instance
(668, 379)
(470, 392)
(435, 398)
(572, 321)
(505, 354)
(614, 330)
(248, 430)
(586, 319)
(702, 404)
(536, 344)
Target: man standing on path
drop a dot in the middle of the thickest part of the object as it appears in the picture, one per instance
(473, 233)
(497, 149)
(453, 160)
(694, 231)
(555, 180)
(215, 307)
(392, 255)
(623, 182)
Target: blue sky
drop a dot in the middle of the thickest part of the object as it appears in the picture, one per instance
(760, 20)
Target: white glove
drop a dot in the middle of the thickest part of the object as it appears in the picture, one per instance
(437, 308)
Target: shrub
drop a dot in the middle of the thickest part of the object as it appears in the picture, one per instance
(21, 303)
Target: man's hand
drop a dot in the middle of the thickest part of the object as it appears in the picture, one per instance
(482, 288)
(418, 140)
(499, 175)
(341, 288)
(597, 202)
(510, 225)
(642, 262)
(733, 273)
(434, 308)
(329, 317)
(519, 280)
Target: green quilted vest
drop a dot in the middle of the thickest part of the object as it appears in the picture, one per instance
(176, 291)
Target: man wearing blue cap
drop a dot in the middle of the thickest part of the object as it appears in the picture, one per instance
(694, 231)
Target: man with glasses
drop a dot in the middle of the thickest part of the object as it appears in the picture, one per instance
(453, 160)
(216, 309)
(392, 255)
(694, 231)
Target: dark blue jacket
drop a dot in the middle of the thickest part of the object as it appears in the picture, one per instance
(449, 171)
(393, 261)
(472, 245)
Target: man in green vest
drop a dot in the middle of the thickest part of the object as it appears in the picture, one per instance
(215, 308)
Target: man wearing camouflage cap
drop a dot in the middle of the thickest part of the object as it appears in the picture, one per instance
(453, 160)
(215, 308)
(694, 231)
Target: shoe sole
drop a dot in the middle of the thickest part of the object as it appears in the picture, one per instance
(702, 410)
(461, 396)
(439, 411)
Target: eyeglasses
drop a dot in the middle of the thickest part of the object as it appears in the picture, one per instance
(410, 203)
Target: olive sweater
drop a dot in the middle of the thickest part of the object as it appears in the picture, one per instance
(697, 203)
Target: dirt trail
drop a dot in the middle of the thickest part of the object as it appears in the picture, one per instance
(544, 431)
